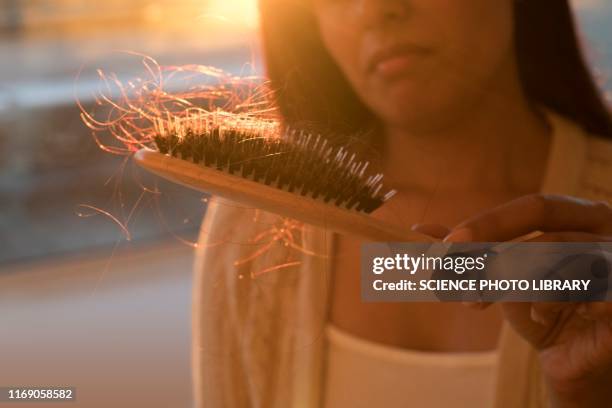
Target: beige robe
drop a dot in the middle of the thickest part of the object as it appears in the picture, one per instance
(258, 336)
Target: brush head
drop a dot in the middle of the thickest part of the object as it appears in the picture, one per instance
(294, 161)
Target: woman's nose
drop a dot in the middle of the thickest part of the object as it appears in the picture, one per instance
(374, 13)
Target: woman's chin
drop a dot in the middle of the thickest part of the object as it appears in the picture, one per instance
(404, 92)
(413, 106)
(403, 101)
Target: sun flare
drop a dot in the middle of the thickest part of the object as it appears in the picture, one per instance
(243, 12)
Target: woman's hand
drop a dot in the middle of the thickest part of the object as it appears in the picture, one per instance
(574, 340)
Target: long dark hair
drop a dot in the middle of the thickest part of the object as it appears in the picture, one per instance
(309, 86)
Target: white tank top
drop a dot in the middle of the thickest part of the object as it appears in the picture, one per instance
(362, 373)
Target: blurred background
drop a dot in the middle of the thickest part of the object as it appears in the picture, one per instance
(80, 305)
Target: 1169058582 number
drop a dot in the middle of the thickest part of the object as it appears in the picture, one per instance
(39, 394)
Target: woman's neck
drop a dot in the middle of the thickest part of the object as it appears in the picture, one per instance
(498, 146)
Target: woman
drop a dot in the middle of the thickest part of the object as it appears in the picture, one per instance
(485, 118)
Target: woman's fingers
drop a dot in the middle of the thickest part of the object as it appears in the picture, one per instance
(542, 312)
(560, 219)
(547, 213)
(433, 230)
(440, 231)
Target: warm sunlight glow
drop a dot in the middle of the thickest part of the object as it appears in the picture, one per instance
(243, 12)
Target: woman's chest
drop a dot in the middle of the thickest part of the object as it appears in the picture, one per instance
(421, 326)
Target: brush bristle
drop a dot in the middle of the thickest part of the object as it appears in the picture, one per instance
(297, 162)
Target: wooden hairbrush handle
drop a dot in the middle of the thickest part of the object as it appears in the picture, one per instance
(257, 195)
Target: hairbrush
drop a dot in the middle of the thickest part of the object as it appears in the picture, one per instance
(292, 173)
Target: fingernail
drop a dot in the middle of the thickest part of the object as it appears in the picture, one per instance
(538, 317)
(460, 235)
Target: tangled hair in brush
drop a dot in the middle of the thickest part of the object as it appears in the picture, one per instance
(263, 151)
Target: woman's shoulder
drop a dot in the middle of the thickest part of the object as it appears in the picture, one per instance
(580, 162)
(260, 299)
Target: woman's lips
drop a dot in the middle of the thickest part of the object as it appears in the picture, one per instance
(396, 60)
(394, 66)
